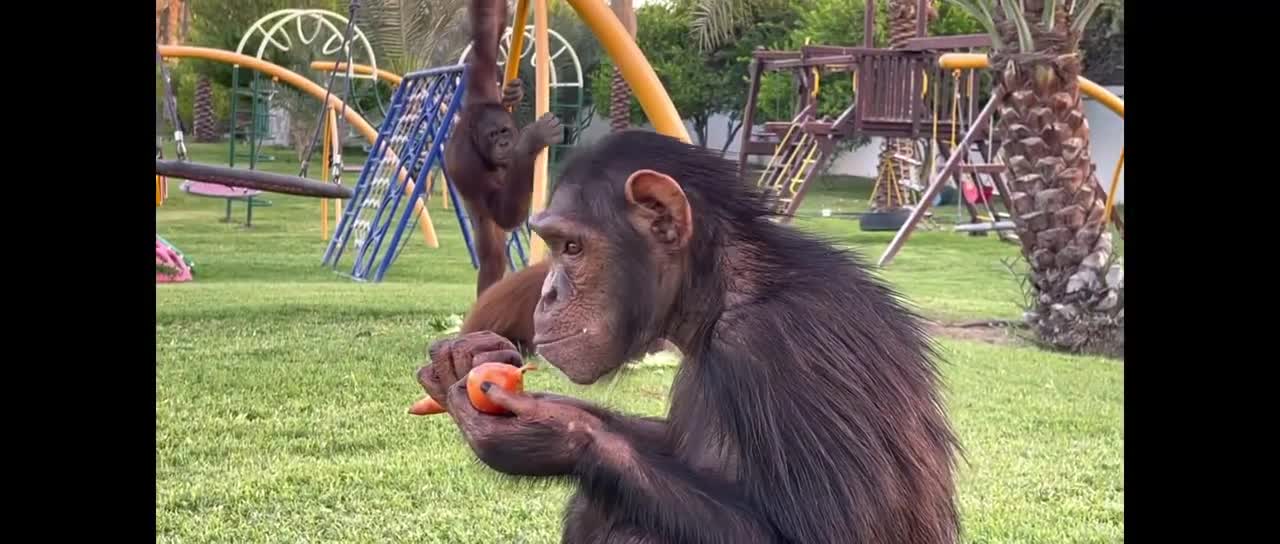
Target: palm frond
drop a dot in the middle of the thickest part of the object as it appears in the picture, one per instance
(405, 33)
(1013, 11)
(979, 10)
(714, 21)
(1046, 17)
(1081, 18)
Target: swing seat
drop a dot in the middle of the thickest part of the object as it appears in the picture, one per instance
(891, 220)
(217, 190)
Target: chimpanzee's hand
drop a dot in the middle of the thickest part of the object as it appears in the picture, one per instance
(546, 131)
(542, 437)
(453, 358)
(512, 93)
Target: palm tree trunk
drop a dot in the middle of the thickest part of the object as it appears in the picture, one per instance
(902, 27)
(619, 92)
(205, 129)
(1079, 295)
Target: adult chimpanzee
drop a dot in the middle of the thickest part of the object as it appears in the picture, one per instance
(806, 409)
(489, 164)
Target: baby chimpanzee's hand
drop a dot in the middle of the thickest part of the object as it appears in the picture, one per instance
(546, 131)
(512, 93)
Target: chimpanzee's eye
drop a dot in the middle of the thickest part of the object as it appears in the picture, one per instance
(572, 248)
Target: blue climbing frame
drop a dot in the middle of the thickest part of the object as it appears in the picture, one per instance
(418, 123)
(419, 119)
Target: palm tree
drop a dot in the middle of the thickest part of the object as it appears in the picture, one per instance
(173, 19)
(902, 27)
(1078, 295)
(203, 117)
(619, 92)
(411, 35)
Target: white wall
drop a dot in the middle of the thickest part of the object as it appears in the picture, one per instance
(1106, 138)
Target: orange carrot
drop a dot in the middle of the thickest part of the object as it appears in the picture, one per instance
(426, 406)
(500, 374)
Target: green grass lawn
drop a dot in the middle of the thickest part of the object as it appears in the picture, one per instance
(281, 390)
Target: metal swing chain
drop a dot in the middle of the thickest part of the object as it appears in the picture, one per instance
(171, 108)
(328, 89)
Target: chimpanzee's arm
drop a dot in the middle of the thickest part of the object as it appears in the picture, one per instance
(648, 431)
(510, 204)
(649, 489)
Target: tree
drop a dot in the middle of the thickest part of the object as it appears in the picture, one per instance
(771, 28)
(220, 25)
(173, 18)
(202, 111)
(619, 92)
(663, 34)
(1102, 45)
(1078, 298)
(716, 22)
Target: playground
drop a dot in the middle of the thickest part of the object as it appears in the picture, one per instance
(302, 306)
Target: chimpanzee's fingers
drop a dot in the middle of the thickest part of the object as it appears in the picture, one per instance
(518, 403)
(508, 356)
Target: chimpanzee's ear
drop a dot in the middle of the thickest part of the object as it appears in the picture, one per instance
(657, 201)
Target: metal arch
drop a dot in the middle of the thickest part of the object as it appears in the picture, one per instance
(322, 18)
(527, 48)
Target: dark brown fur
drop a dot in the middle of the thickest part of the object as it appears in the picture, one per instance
(807, 409)
(506, 308)
(487, 158)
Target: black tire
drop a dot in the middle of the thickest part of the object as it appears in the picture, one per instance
(884, 221)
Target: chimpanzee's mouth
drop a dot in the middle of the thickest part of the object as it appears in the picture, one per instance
(539, 342)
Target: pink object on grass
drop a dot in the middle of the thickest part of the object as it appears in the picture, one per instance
(171, 259)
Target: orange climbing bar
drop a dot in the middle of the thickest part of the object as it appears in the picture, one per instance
(362, 69)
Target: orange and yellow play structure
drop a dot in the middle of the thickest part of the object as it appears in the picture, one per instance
(597, 16)
(310, 87)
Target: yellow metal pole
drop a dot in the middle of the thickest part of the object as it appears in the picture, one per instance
(444, 187)
(542, 104)
(517, 40)
(1115, 184)
(974, 61)
(635, 69)
(306, 85)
